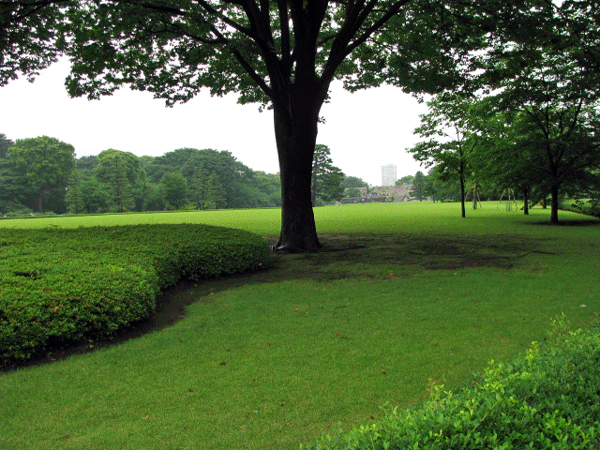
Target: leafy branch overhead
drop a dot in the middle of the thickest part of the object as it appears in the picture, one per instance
(30, 36)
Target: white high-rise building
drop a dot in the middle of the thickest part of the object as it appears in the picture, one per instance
(388, 175)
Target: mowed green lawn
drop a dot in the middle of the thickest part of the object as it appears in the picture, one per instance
(414, 294)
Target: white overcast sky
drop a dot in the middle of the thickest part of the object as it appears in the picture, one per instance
(364, 130)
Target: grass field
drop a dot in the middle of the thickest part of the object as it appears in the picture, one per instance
(408, 294)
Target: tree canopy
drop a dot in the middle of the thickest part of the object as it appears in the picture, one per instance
(120, 172)
(30, 36)
(451, 138)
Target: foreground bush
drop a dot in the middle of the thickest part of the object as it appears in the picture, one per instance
(58, 286)
(549, 398)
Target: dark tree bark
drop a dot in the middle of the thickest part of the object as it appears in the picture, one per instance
(526, 201)
(554, 204)
(296, 127)
(461, 176)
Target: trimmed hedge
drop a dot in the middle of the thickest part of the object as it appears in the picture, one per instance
(548, 398)
(59, 286)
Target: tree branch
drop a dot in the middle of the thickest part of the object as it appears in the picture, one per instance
(226, 20)
(342, 47)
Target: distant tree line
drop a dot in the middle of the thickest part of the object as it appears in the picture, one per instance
(42, 174)
(543, 151)
(439, 185)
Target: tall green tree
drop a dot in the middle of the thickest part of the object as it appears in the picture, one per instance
(12, 185)
(441, 185)
(74, 198)
(197, 185)
(86, 165)
(234, 176)
(451, 138)
(547, 83)
(174, 188)
(548, 153)
(95, 196)
(281, 53)
(418, 189)
(213, 194)
(5, 144)
(327, 180)
(206, 191)
(119, 171)
(45, 162)
(267, 188)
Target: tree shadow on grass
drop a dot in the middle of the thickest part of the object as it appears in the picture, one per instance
(343, 256)
(568, 223)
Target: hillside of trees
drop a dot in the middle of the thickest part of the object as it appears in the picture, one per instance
(43, 175)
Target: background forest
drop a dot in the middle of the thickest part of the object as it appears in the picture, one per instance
(43, 175)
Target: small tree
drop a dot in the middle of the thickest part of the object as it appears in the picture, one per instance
(452, 138)
(408, 179)
(327, 180)
(354, 182)
(418, 190)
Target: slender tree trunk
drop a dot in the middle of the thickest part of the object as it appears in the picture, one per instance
(526, 201)
(554, 204)
(462, 196)
(41, 200)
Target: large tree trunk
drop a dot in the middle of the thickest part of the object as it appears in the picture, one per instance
(296, 136)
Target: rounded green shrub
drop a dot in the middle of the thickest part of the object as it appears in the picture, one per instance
(60, 286)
